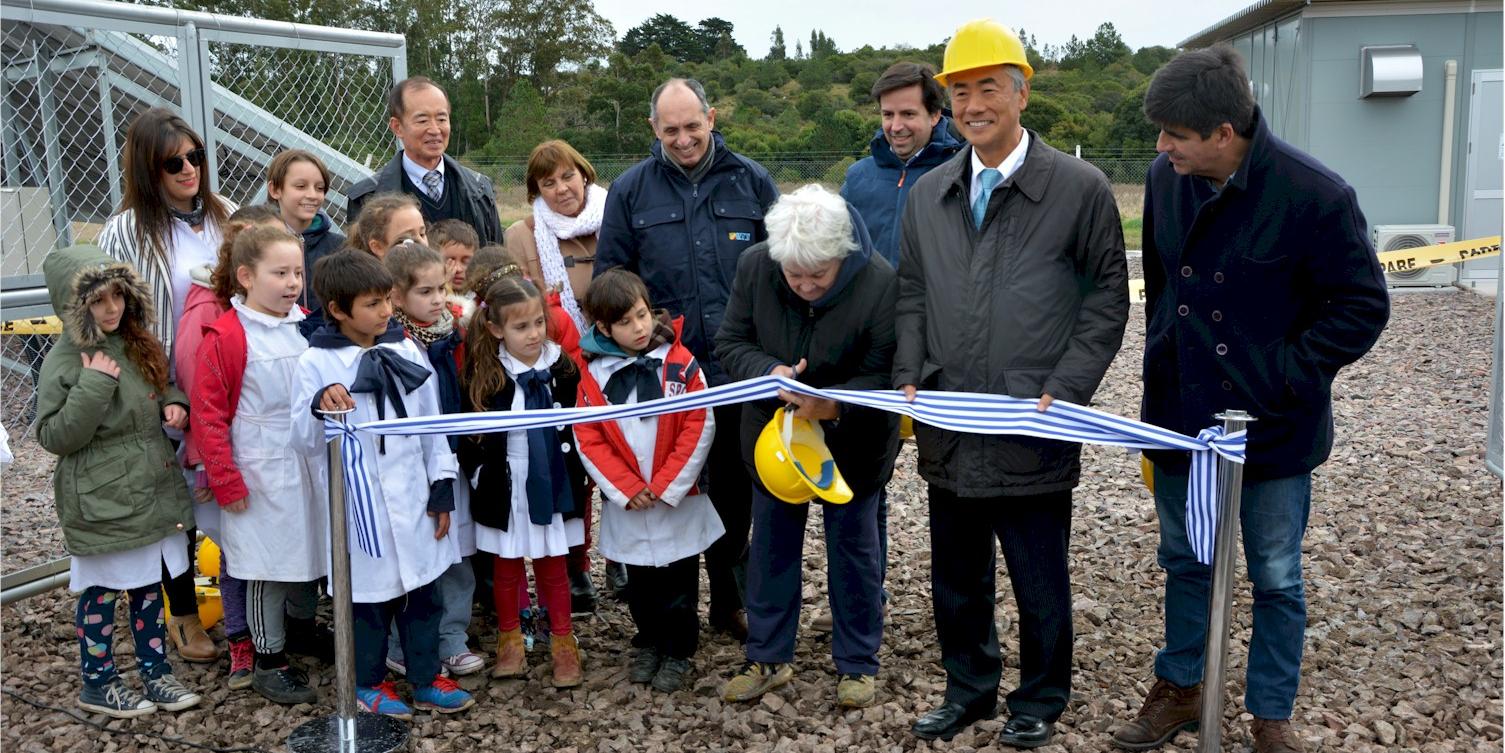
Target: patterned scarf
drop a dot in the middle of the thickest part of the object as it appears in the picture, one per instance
(426, 334)
(194, 217)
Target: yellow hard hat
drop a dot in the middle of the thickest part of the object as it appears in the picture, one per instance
(208, 558)
(211, 607)
(906, 427)
(1147, 472)
(795, 464)
(983, 43)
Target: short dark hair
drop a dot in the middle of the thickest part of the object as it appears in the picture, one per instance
(345, 275)
(396, 104)
(902, 75)
(612, 294)
(1201, 90)
(453, 231)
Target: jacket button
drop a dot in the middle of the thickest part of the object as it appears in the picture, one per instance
(1222, 349)
(557, 405)
(1227, 386)
(167, 464)
(151, 396)
(565, 447)
(697, 243)
(1217, 276)
(1183, 309)
(1186, 271)
(673, 215)
(1217, 316)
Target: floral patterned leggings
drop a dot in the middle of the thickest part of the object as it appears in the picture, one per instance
(96, 626)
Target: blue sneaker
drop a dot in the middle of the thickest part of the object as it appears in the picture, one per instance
(382, 699)
(444, 696)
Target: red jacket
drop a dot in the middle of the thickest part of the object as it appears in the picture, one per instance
(216, 393)
(678, 433)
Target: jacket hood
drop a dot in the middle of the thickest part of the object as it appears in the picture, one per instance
(852, 264)
(943, 144)
(665, 330)
(75, 273)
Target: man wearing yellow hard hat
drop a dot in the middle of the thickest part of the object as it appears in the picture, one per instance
(1012, 281)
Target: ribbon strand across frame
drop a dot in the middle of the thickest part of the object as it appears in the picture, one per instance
(969, 412)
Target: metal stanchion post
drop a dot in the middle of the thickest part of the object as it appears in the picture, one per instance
(347, 730)
(1220, 606)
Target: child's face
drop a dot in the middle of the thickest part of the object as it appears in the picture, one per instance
(301, 194)
(459, 257)
(368, 317)
(273, 284)
(523, 330)
(405, 221)
(108, 308)
(424, 300)
(633, 331)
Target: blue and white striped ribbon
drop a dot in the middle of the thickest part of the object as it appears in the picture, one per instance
(360, 511)
(968, 412)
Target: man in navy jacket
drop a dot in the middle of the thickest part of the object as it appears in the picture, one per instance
(680, 219)
(1260, 285)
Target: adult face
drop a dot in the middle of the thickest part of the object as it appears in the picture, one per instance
(179, 188)
(811, 284)
(906, 123)
(424, 125)
(986, 108)
(1191, 154)
(681, 127)
(563, 190)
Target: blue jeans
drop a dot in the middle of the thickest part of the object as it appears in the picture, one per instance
(1272, 520)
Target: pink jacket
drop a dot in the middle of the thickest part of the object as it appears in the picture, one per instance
(200, 309)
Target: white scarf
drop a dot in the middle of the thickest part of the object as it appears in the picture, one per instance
(549, 227)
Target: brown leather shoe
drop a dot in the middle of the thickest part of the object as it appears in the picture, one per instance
(1166, 711)
(1275, 736)
(566, 654)
(511, 657)
(734, 625)
(193, 644)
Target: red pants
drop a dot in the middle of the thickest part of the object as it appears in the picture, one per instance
(509, 579)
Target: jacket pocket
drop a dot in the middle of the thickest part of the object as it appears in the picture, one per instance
(737, 225)
(662, 262)
(104, 492)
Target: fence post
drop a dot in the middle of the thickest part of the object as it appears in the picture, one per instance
(348, 730)
(1220, 606)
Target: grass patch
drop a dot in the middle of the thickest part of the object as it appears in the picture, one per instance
(1134, 233)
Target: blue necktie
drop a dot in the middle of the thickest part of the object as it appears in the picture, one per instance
(548, 484)
(986, 179)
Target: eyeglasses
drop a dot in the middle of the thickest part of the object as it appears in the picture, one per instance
(174, 165)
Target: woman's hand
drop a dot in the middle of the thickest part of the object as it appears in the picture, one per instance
(174, 416)
(102, 364)
(811, 408)
(788, 372)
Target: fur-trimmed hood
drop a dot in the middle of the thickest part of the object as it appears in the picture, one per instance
(75, 273)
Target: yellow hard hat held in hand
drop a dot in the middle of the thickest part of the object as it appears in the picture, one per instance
(983, 43)
(794, 463)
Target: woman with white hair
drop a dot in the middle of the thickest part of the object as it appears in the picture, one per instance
(815, 302)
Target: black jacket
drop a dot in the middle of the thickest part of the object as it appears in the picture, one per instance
(846, 339)
(491, 502)
(684, 239)
(1256, 295)
(477, 198)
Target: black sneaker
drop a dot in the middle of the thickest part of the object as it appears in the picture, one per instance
(582, 593)
(308, 638)
(644, 666)
(169, 694)
(283, 685)
(671, 674)
(116, 699)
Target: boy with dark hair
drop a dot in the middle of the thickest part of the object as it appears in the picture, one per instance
(360, 362)
(457, 243)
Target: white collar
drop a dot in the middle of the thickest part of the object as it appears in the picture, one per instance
(238, 302)
(416, 171)
(1008, 167)
(614, 363)
(514, 366)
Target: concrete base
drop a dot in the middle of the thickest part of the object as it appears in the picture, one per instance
(373, 733)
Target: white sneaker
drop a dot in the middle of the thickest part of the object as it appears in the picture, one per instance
(463, 663)
(401, 669)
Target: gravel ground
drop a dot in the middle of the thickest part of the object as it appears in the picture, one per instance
(1403, 585)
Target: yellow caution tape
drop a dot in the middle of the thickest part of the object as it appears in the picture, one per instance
(1404, 260)
(49, 325)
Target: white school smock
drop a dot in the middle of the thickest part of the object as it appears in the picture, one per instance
(400, 477)
(132, 568)
(523, 537)
(668, 531)
(282, 535)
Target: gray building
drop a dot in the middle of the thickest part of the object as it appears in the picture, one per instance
(1400, 97)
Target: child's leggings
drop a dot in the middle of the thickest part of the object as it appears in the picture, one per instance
(95, 621)
(553, 591)
(232, 591)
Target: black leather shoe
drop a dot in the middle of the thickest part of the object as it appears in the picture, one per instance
(582, 594)
(616, 580)
(1025, 731)
(947, 719)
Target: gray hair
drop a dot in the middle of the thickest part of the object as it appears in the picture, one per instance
(808, 228)
(1016, 74)
(689, 83)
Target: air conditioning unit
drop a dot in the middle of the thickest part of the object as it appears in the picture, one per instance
(1401, 237)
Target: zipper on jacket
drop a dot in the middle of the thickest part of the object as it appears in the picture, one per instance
(807, 329)
(903, 172)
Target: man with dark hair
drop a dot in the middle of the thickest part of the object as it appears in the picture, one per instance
(1260, 285)
(680, 219)
(915, 136)
(418, 114)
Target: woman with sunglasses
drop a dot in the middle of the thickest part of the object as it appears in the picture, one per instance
(169, 222)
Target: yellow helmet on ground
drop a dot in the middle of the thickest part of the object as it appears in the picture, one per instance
(795, 464)
(906, 427)
(208, 558)
(211, 607)
(983, 43)
(1147, 472)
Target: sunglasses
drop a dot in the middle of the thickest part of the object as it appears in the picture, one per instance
(174, 165)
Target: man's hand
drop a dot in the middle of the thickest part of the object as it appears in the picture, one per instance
(642, 500)
(238, 505)
(336, 398)
(909, 391)
(101, 363)
(1045, 401)
(174, 416)
(811, 408)
(441, 524)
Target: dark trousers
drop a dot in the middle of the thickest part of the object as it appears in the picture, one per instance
(775, 575)
(417, 614)
(182, 597)
(664, 602)
(726, 560)
(1032, 531)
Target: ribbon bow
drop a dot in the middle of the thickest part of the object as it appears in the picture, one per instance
(641, 372)
(548, 483)
(380, 373)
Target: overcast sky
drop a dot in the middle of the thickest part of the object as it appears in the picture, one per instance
(883, 23)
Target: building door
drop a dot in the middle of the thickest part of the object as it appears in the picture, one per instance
(1482, 171)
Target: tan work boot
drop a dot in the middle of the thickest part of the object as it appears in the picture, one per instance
(511, 657)
(1275, 736)
(1166, 710)
(193, 644)
(565, 651)
(824, 621)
